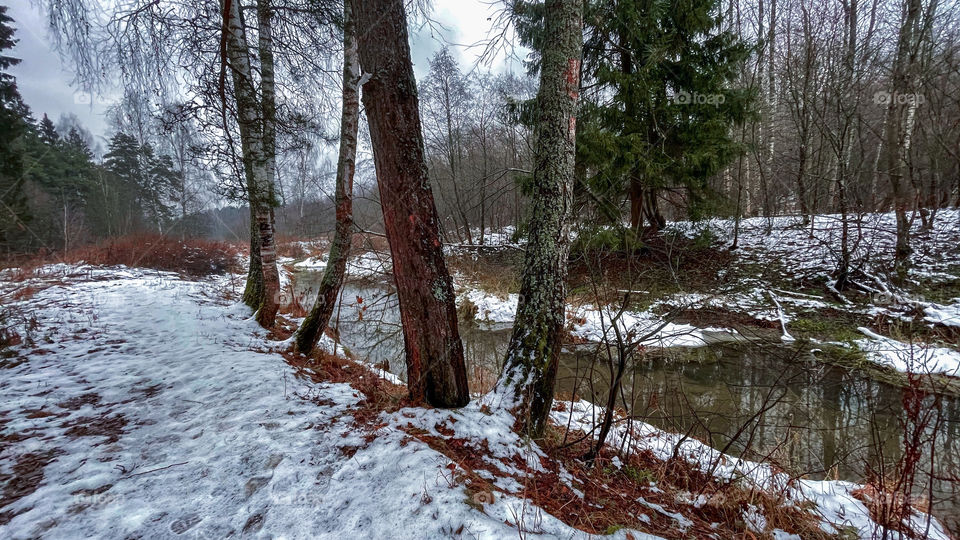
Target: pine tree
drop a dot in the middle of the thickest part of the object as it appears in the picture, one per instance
(144, 181)
(436, 372)
(48, 133)
(14, 124)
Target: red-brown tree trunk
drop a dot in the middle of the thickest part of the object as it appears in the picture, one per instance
(436, 372)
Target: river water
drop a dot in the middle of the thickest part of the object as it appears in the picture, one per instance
(760, 401)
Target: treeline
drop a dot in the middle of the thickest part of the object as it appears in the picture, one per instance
(57, 195)
(727, 108)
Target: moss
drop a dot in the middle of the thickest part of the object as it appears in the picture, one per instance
(640, 476)
(825, 328)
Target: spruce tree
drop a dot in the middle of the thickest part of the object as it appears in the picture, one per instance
(47, 132)
(663, 103)
(14, 124)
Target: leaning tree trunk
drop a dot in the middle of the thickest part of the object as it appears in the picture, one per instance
(256, 156)
(533, 355)
(319, 316)
(436, 371)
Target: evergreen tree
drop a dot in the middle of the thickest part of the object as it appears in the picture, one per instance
(14, 118)
(663, 106)
(143, 181)
(47, 131)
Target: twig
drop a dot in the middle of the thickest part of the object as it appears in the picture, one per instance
(159, 469)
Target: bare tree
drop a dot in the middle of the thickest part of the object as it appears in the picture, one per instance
(257, 135)
(333, 274)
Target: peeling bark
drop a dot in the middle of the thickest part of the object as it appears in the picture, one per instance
(256, 159)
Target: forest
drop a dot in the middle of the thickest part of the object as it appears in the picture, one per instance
(480, 269)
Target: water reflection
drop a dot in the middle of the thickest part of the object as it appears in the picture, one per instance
(761, 401)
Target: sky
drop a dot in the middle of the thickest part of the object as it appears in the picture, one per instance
(45, 81)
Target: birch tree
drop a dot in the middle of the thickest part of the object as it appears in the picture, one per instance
(333, 274)
(257, 134)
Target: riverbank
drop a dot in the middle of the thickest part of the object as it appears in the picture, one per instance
(142, 403)
(688, 288)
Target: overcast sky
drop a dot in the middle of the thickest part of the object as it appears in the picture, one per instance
(45, 82)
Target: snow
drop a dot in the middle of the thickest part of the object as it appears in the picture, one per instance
(369, 264)
(592, 323)
(947, 315)
(832, 501)
(211, 435)
(490, 307)
(909, 357)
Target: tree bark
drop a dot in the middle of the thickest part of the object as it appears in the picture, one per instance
(267, 313)
(260, 188)
(436, 372)
(898, 134)
(319, 317)
(532, 358)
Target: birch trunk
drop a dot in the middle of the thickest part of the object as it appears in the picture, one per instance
(531, 362)
(436, 372)
(260, 178)
(319, 317)
(898, 133)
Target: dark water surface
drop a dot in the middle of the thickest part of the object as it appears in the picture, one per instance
(759, 401)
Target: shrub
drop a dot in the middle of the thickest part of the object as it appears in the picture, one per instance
(605, 239)
(191, 257)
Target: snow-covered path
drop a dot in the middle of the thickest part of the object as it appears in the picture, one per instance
(157, 418)
(144, 410)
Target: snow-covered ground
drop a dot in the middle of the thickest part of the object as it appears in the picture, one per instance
(144, 405)
(831, 501)
(804, 253)
(147, 406)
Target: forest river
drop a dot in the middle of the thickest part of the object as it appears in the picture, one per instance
(761, 401)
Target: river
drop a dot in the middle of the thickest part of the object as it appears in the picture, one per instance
(762, 401)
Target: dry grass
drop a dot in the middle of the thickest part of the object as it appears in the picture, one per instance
(191, 257)
(379, 394)
(609, 497)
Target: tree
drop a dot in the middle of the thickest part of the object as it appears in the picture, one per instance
(47, 131)
(901, 112)
(664, 105)
(436, 371)
(533, 355)
(257, 134)
(446, 100)
(333, 274)
(13, 125)
(144, 181)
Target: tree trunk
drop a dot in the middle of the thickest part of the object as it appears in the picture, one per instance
(533, 355)
(267, 313)
(256, 164)
(319, 316)
(898, 144)
(436, 371)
